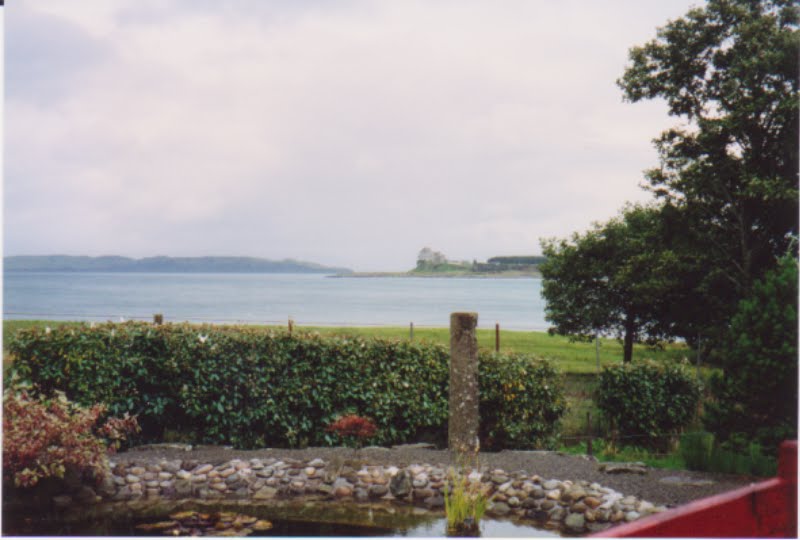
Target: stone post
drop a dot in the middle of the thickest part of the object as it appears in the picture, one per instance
(462, 426)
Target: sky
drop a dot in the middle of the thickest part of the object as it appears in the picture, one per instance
(348, 133)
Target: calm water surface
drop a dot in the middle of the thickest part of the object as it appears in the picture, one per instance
(310, 299)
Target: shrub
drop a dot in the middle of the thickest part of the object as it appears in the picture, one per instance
(252, 387)
(353, 429)
(44, 438)
(756, 398)
(521, 402)
(646, 400)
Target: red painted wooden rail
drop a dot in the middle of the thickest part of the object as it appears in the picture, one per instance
(767, 509)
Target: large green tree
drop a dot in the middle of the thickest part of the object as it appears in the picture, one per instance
(729, 70)
(757, 395)
(616, 278)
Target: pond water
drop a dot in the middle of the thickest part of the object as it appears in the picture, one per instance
(307, 519)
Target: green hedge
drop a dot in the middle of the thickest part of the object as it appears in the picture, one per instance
(645, 400)
(253, 387)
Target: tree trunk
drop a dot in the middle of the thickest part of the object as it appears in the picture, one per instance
(630, 332)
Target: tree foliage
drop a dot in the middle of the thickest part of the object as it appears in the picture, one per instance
(730, 71)
(757, 394)
(616, 278)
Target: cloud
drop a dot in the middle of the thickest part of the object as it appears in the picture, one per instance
(349, 133)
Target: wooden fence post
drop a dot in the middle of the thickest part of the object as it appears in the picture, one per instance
(496, 337)
(158, 318)
(589, 429)
(411, 331)
(291, 325)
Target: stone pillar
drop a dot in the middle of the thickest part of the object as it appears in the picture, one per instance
(462, 426)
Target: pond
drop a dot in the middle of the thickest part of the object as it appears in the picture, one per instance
(248, 519)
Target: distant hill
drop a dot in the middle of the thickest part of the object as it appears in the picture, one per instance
(113, 263)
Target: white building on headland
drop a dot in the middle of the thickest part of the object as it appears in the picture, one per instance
(428, 256)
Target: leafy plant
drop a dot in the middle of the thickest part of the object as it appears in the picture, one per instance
(465, 503)
(252, 387)
(521, 402)
(354, 430)
(646, 399)
(44, 438)
(756, 397)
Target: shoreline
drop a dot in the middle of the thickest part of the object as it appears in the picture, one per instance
(451, 275)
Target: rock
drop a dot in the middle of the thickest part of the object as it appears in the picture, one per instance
(123, 494)
(554, 495)
(537, 515)
(538, 493)
(414, 446)
(498, 509)
(578, 507)
(505, 488)
(623, 468)
(378, 490)
(685, 481)
(513, 502)
(499, 479)
(232, 479)
(548, 504)
(183, 488)
(317, 463)
(62, 501)
(592, 502)
(132, 479)
(551, 485)
(188, 464)
(224, 473)
(265, 493)
(171, 466)
(266, 472)
(165, 476)
(597, 527)
(360, 494)
(437, 501)
(422, 494)
(400, 485)
(343, 490)
(138, 471)
(107, 486)
(199, 479)
(645, 507)
(202, 469)
(420, 481)
(325, 489)
(575, 522)
(573, 495)
(632, 516)
(557, 514)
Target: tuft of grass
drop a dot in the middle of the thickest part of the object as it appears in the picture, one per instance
(606, 452)
(465, 502)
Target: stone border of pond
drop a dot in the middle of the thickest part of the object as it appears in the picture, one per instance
(577, 507)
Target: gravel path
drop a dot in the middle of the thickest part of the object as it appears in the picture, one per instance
(548, 465)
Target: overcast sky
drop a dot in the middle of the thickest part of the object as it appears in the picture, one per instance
(348, 133)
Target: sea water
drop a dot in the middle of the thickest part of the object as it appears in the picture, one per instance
(308, 299)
